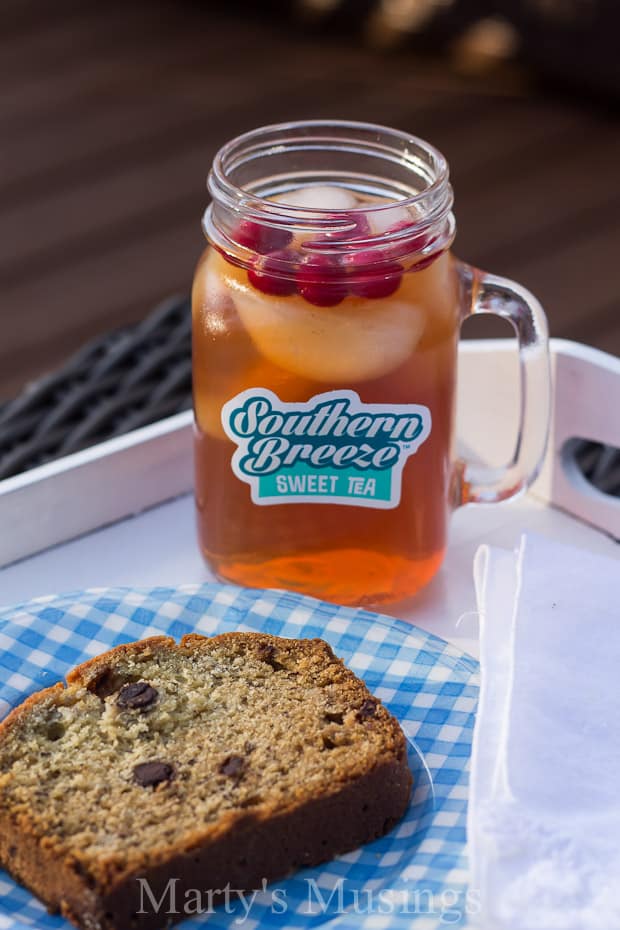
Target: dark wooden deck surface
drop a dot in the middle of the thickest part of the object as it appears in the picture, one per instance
(110, 115)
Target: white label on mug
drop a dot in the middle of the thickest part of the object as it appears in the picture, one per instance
(334, 449)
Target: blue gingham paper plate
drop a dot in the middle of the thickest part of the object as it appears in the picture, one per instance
(415, 876)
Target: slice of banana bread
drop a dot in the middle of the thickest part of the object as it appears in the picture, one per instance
(213, 762)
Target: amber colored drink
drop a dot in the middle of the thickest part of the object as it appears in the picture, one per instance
(326, 316)
(398, 349)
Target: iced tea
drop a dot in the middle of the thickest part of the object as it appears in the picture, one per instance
(324, 389)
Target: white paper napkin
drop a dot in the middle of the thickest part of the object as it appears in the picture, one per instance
(544, 810)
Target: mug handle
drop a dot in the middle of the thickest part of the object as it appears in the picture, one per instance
(491, 294)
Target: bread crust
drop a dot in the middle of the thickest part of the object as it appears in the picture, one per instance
(241, 848)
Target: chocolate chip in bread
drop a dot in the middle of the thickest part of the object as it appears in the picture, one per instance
(219, 760)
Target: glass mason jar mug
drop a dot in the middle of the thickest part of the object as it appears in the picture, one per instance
(326, 316)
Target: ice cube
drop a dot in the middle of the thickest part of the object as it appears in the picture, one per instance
(320, 197)
(382, 220)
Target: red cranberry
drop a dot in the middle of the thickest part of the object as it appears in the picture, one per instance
(260, 238)
(361, 227)
(372, 275)
(273, 274)
(321, 280)
(417, 242)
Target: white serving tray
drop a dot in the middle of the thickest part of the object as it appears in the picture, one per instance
(121, 513)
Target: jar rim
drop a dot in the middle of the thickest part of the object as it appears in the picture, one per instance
(225, 191)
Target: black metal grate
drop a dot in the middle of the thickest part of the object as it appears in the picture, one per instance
(124, 380)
